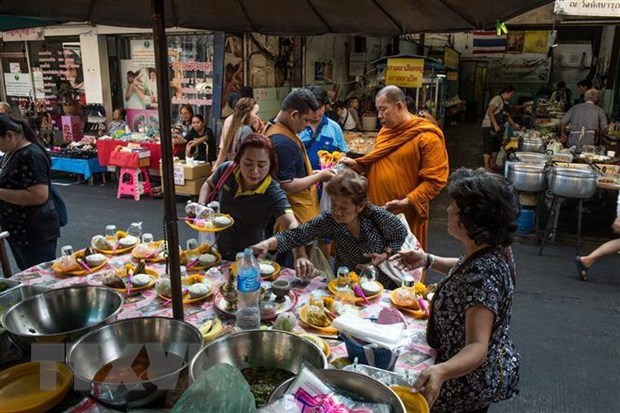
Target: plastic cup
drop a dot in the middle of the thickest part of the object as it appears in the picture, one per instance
(67, 250)
(147, 237)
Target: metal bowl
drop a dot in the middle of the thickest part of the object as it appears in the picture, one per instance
(259, 348)
(532, 145)
(16, 295)
(61, 315)
(7, 285)
(359, 385)
(572, 182)
(119, 343)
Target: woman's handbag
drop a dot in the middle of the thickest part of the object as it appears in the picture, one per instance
(61, 207)
(220, 183)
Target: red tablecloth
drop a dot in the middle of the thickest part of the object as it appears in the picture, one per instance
(106, 146)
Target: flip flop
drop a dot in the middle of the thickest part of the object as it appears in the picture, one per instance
(582, 270)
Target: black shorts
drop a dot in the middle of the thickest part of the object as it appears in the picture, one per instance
(491, 142)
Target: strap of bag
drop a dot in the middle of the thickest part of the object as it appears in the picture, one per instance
(315, 136)
(220, 183)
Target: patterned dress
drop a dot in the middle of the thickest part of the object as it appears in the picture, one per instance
(487, 278)
(379, 229)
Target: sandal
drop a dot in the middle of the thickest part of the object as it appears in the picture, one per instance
(582, 270)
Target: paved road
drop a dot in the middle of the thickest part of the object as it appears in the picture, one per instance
(566, 330)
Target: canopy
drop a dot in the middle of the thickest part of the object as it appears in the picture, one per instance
(299, 17)
(19, 22)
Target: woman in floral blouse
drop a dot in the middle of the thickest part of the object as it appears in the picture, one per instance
(363, 233)
(469, 324)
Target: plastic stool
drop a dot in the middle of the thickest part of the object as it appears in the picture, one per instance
(134, 182)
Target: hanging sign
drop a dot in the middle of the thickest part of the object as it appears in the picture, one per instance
(450, 58)
(404, 72)
(20, 35)
(357, 64)
(18, 84)
(595, 8)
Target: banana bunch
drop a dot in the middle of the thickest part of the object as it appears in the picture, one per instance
(211, 329)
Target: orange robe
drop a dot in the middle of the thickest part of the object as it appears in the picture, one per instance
(409, 160)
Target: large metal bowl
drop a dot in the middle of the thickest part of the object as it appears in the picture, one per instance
(16, 295)
(259, 348)
(61, 315)
(363, 387)
(528, 177)
(169, 343)
(572, 182)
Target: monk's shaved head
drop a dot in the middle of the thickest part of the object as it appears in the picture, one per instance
(393, 94)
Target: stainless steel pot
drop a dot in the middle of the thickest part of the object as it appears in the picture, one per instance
(572, 182)
(360, 385)
(527, 177)
(531, 157)
(170, 345)
(259, 348)
(532, 145)
(16, 295)
(61, 315)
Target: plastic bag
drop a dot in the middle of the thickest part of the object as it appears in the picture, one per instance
(320, 263)
(310, 393)
(389, 267)
(325, 202)
(221, 388)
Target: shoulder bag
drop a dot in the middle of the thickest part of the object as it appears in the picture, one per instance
(220, 182)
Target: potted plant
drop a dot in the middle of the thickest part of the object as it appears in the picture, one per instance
(69, 97)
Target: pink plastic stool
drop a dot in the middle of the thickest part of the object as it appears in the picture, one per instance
(134, 182)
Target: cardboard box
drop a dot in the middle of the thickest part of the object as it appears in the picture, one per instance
(193, 177)
(194, 171)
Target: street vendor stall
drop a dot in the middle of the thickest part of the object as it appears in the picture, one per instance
(211, 309)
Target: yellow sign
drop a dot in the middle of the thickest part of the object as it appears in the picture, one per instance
(453, 76)
(536, 41)
(404, 72)
(451, 58)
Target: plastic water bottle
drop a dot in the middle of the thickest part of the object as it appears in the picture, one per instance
(248, 289)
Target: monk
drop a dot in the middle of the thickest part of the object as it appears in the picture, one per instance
(409, 165)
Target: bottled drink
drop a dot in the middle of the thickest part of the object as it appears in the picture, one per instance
(248, 288)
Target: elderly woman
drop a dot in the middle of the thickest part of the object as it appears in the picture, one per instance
(251, 195)
(27, 210)
(361, 231)
(118, 122)
(469, 323)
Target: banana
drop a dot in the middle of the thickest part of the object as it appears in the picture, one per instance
(206, 327)
(213, 330)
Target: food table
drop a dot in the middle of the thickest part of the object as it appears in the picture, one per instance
(416, 356)
(105, 147)
(86, 167)
(360, 143)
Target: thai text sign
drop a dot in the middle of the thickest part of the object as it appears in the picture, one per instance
(599, 8)
(404, 72)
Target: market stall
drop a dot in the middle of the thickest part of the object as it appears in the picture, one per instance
(150, 300)
(105, 147)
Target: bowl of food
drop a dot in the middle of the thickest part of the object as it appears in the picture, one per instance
(95, 260)
(207, 259)
(221, 221)
(61, 315)
(370, 288)
(128, 241)
(270, 355)
(132, 362)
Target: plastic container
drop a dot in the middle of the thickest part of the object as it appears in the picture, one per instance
(248, 290)
(526, 221)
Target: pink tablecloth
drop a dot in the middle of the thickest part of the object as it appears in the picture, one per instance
(416, 356)
(106, 146)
